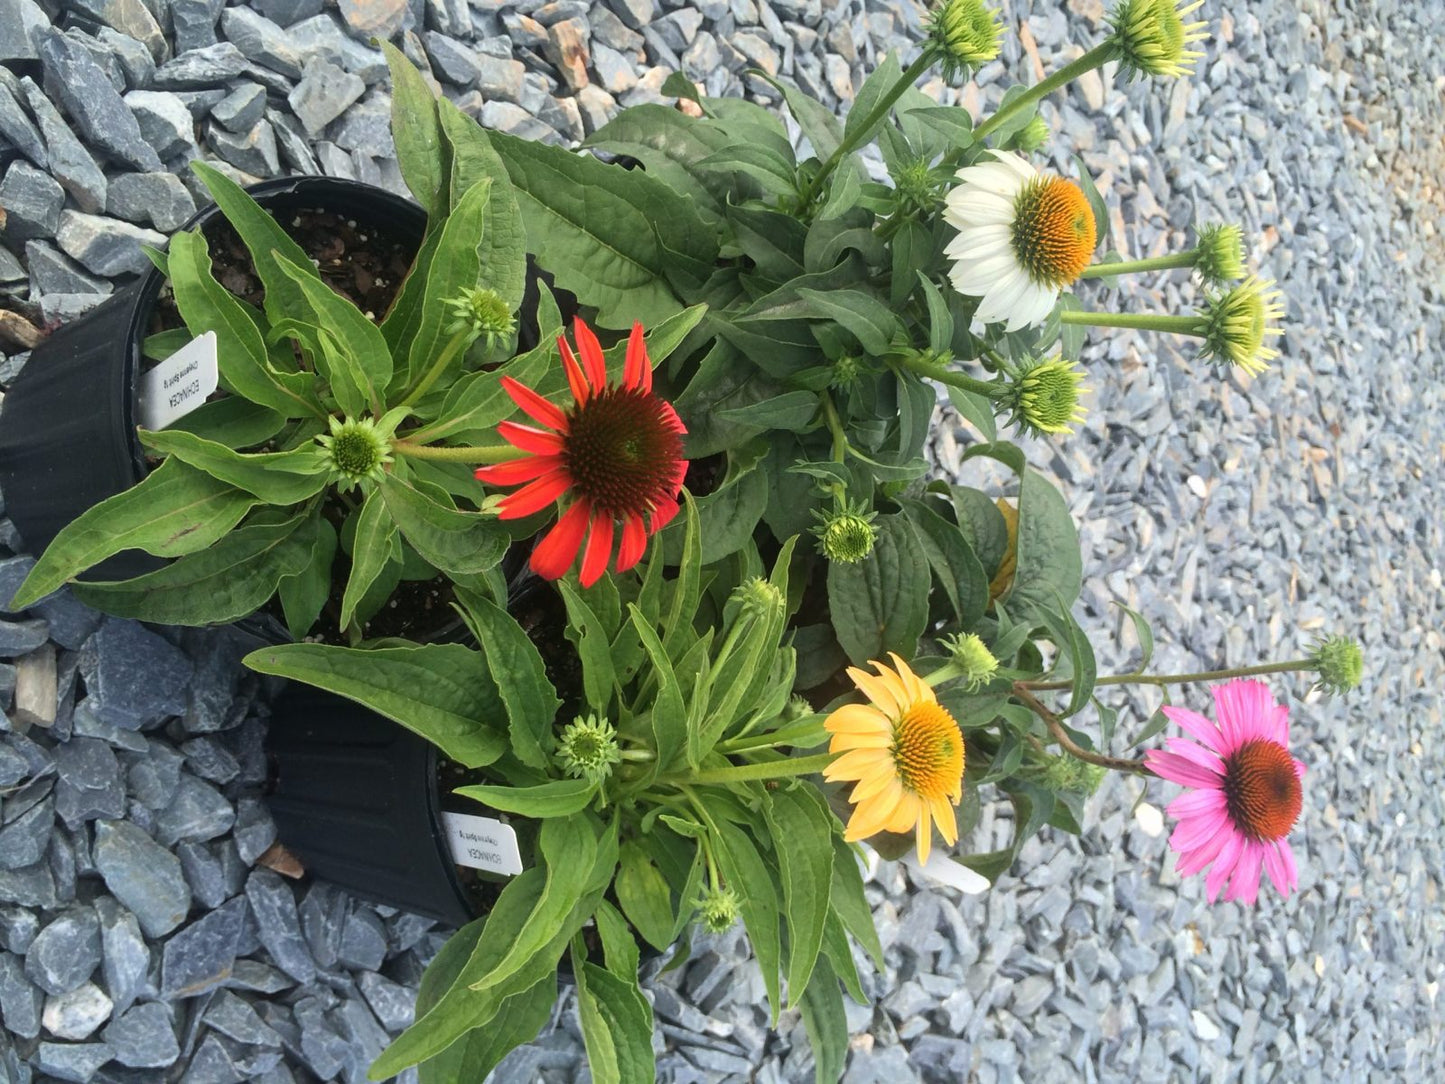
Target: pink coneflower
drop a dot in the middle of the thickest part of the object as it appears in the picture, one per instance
(1245, 794)
(616, 456)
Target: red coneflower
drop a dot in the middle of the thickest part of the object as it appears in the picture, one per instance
(617, 452)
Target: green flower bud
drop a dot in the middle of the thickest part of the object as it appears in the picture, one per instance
(1044, 396)
(357, 451)
(587, 749)
(974, 660)
(845, 534)
(1072, 775)
(1032, 135)
(1219, 255)
(847, 371)
(917, 186)
(1339, 664)
(965, 35)
(718, 909)
(482, 313)
(1235, 325)
(1151, 37)
(758, 597)
(797, 708)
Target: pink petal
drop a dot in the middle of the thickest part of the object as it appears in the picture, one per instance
(1197, 803)
(598, 552)
(1191, 833)
(554, 555)
(1244, 885)
(1195, 724)
(1243, 708)
(1281, 724)
(1286, 854)
(1274, 865)
(1195, 754)
(1224, 865)
(1193, 860)
(1177, 769)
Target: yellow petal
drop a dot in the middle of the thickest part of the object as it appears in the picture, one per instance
(878, 691)
(874, 784)
(869, 817)
(923, 838)
(947, 821)
(907, 813)
(857, 762)
(857, 719)
(914, 687)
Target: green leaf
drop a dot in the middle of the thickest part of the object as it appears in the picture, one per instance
(232, 421)
(772, 166)
(558, 798)
(883, 79)
(587, 632)
(826, 1023)
(802, 830)
(304, 594)
(952, 560)
(616, 1025)
(670, 145)
(224, 582)
(441, 691)
(1096, 203)
(880, 604)
(459, 543)
(242, 359)
(940, 320)
(1050, 568)
(983, 526)
(273, 477)
(605, 232)
(173, 511)
(619, 947)
(360, 368)
(668, 711)
(372, 549)
(726, 517)
(848, 902)
(415, 132)
(520, 674)
(1074, 643)
(951, 121)
(1156, 725)
(643, 893)
(975, 409)
(871, 322)
(477, 401)
(743, 867)
(519, 1019)
(1145, 635)
(817, 121)
(688, 585)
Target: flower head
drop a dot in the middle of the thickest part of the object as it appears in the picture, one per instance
(975, 662)
(1338, 662)
(1219, 255)
(617, 454)
(846, 534)
(718, 909)
(965, 35)
(482, 313)
(906, 753)
(587, 748)
(1245, 793)
(358, 451)
(1032, 135)
(1044, 396)
(1022, 237)
(1151, 37)
(1235, 325)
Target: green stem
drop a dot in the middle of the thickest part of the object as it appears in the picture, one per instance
(865, 130)
(1148, 321)
(1067, 744)
(835, 427)
(770, 740)
(499, 453)
(1130, 267)
(948, 376)
(455, 345)
(1288, 667)
(1094, 58)
(786, 768)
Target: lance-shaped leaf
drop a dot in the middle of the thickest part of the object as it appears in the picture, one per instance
(520, 674)
(304, 594)
(441, 691)
(373, 547)
(802, 829)
(827, 1024)
(616, 1024)
(744, 867)
(273, 477)
(414, 130)
(586, 630)
(173, 511)
(644, 895)
(518, 1020)
(224, 582)
(557, 798)
(460, 543)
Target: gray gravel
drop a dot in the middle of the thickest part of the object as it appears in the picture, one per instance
(141, 941)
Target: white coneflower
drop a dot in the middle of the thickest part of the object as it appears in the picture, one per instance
(1022, 237)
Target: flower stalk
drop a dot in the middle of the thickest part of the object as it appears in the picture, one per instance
(1096, 57)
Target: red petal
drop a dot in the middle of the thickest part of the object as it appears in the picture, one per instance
(662, 515)
(591, 350)
(580, 391)
(537, 441)
(670, 418)
(554, 555)
(537, 407)
(516, 471)
(599, 550)
(535, 496)
(634, 542)
(637, 373)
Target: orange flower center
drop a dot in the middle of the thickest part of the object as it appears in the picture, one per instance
(1053, 230)
(622, 451)
(1261, 790)
(928, 751)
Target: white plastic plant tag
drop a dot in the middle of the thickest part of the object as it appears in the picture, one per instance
(482, 843)
(179, 384)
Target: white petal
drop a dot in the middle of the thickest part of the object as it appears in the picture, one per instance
(1006, 300)
(1035, 304)
(979, 243)
(965, 206)
(978, 277)
(943, 869)
(998, 300)
(1017, 165)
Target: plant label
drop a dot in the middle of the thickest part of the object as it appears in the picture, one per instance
(482, 843)
(179, 384)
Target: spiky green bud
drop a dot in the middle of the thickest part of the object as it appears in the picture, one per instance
(965, 35)
(587, 749)
(1150, 37)
(1043, 396)
(718, 909)
(758, 597)
(975, 662)
(357, 451)
(1339, 663)
(1032, 135)
(1234, 325)
(1070, 775)
(1219, 255)
(483, 314)
(846, 534)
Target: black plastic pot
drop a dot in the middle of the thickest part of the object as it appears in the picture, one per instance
(67, 426)
(355, 797)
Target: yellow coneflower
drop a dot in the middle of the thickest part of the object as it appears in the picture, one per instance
(906, 753)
